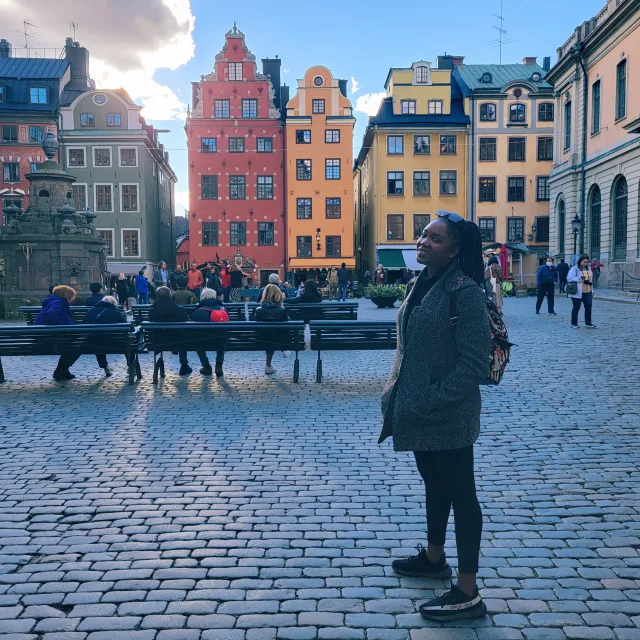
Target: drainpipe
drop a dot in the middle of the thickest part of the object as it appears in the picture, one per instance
(472, 151)
(578, 50)
(285, 202)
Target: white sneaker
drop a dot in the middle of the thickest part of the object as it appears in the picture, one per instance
(269, 370)
(286, 354)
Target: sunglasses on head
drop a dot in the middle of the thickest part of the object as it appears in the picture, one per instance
(452, 217)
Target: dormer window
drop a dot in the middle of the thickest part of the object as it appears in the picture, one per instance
(422, 75)
(536, 77)
(38, 95)
(486, 78)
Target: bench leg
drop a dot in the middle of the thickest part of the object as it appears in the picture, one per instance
(296, 369)
(319, 369)
(161, 365)
(1, 372)
(138, 370)
(131, 368)
(156, 367)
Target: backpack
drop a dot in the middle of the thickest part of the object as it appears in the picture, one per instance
(218, 315)
(500, 350)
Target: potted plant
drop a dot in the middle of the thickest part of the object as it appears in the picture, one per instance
(384, 296)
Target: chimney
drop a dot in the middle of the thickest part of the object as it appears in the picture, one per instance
(271, 67)
(78, 58)
(284, 92)
(458, 60)
(343, 87)
(546, 63)
(445, 62)
(6, 51)
(530, 60)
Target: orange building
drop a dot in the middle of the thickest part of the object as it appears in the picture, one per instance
(320, 214)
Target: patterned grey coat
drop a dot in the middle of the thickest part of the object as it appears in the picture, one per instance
(432, 399)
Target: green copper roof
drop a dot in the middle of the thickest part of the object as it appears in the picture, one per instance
(470, 76)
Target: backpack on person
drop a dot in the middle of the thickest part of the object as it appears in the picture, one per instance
(218, 315)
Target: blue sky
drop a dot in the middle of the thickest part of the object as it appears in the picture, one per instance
(363, 39)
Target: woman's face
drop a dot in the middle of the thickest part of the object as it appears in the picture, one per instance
(584, 263)
(435, 249)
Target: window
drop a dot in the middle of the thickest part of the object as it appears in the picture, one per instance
(421, 183)
(238, 235)
(128, 157)
(408, 106)
(250, 108)
(333, 208)
(38, 95)
(265, 187)
(317, 106)
(9, 133)
(265, 234)
(487, 190)
(104, 197)
(11, 172)
(542, 229)
(130, 243)
(395, 226)
(422, 75)
(567, 126)
(488, 148)
(448, 183)
(35, 166)
(236, 145)
(487, 229)
(621, 90)
(2, 94)
(542, 188)
(235, 71)
(332, 136)
(303, 136)
(79, 196)
(332, 168)
(545, 149)
(303, 246)
(515, 191)
(517, 149)
(486, 78)
(87, 120)
(237, 188)
(221, 109)
(620, 204)
(545, 112)
(76, 158)
(561, 226)
(107, 236)
(113, 119)
(209, 145)
(420, 221)
(517, 113)
(488, 112)
(209, 187)
(303, 208)
(595, 221)
(36, 134)
(434, 107)
(209, 234)
(448, 145)
(395, 183)
(129, 196)
(515, 230)
(265, 145)
(422, 145)
(334, 246)
(595, 108)
(395, 145)
(101, 157)
(303, 169)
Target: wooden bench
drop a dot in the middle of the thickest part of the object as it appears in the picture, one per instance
(336, 335)
(236, 310)
(222, 336)
(77, 313)
(88, 339)
(322, 311)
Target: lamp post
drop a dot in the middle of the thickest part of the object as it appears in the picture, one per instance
(576, 226)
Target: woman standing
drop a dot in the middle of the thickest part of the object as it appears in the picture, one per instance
(582, 275)
(380, 276)
(122, 290)
(235, 283)
(493, 281)
(431, 403)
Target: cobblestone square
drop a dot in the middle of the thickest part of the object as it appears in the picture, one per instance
(252, 508)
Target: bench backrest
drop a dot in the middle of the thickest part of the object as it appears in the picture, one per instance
(235, 310)
(323, 311)
(340, 335)
(77, 313)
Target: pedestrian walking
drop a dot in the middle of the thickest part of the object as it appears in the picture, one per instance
(182, 295)
(596, 269)
(431, 403)
(160, 275)
(332, 281)
(308, 294)
(142, 288)
(366, 279)
(563, 270)
(104, 312)
(580, 291)
(122, 290)
(210, 309)
(195, 280)
(380, 276)
(271, 310)
(493, 277)
(96, 294)
(344, 280)
(235, 283)
(547, 278)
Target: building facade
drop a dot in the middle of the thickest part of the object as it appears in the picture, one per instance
(596, 167)
(319, 140)
(235, 137)
(413, 162)
(512, 114)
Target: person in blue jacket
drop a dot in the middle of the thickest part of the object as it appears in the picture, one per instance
(547, 279)
(142, 288)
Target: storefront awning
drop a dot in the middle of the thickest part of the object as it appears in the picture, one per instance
(305, 264)
(392, 258)
(128, 268)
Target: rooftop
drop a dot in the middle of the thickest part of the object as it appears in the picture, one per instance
(33, 68)
(470, 76)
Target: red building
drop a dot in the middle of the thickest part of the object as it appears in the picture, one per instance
(235, 137)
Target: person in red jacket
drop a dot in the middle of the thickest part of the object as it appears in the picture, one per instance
(195, 280)
(225, 280)
(210, 309)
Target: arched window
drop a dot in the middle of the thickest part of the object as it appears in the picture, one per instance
(560, 232)
(43, 193)
(517, 112)
(488, 112)
(620, 207)
(595, 210)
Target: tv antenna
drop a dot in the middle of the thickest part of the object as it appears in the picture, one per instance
(502, 32)
(25, 32)
(74, 26)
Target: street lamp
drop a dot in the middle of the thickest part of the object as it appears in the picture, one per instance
(576, 225)
(318, 240)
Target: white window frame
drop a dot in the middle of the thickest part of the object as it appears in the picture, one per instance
(93, 157)
(435, 112)
(77, 166)
(113, 239)
(122, 230)
(129, 184)
(86, 191)
(128, 166)
(95, 196)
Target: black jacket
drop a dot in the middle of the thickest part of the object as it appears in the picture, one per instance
(212, 281)
(236, 279)
(344, 276)
(271, 312)
(563, 270)
(202, 313)
(166, 310)
(104, 313)
(93, 299)
(122, 289)
(176, 274)
(306, 297)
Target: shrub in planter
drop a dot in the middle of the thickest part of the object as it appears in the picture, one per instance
(385, 296)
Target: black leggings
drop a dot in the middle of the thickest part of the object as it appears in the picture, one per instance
(449, 480)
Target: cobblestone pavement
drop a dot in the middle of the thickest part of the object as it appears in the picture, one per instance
(255, 509)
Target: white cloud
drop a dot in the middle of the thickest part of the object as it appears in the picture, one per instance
(369, 103)
(127, 41)
(355, 85)
(182, 202)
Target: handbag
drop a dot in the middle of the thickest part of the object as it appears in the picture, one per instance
(572, 288)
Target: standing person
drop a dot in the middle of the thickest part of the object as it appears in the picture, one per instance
(332, 279)
(271, 310)
(582, 275)
(344, 280)
(380, 276)
(104, 312)
(96, 294)
(182, 295)
(133, 296)
(173, 278)
(212, 279)
(161, 275)
(547, 278)
(225, 281)
(195, 280)
(210, 309)
(235, 283)
(122, 290)
(493, 277)
(366, 280)
(596, 269)
(563, 270)
(431, 403)
(308, 294)
(142, 288)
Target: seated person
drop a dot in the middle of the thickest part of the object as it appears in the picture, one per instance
(104, 312)
(210, 309)
(96, 294)
(308, 294)
(182, 295)
(271, 310)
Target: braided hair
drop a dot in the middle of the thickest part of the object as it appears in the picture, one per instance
(466, 236)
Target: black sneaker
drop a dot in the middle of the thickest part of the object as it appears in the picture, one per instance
(63, 375)
(185, 370)
(419, 566)
(206, 371)
(454, 605)
(107, 372)
(219, 371)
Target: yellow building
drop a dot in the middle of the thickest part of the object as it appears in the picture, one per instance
(320, 214)
(413, 162)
